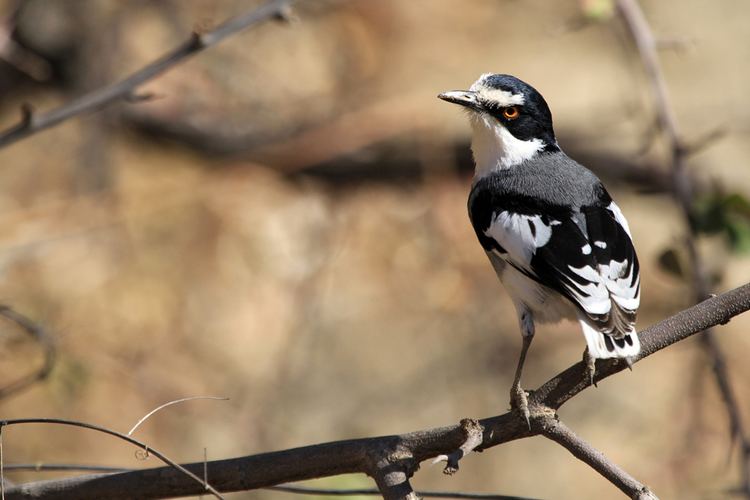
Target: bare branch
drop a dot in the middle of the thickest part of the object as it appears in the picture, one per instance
(289, 488)
(45, 341)
(126, 89)
(370, 455)
(393, 481)
(557, 431)
(2, 472)
(149, 451)
(684, 193)
(301, 490)
(473, 431)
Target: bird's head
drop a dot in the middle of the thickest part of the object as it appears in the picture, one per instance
(511, 120)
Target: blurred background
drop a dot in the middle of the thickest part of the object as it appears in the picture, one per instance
(285, 225)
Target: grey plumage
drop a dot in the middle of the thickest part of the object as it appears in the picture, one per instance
(574, 185)
(557, 241)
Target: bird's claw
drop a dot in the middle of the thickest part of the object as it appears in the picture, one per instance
(590, 370)
(520, 402)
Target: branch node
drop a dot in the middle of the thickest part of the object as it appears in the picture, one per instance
(285, 14)
(701, 143)
(197, 40)
(392, 475)
(473, 436)
(645, 494)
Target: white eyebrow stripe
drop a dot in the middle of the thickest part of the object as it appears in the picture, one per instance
(500, 97)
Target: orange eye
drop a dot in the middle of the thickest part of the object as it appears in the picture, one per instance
(511, 113)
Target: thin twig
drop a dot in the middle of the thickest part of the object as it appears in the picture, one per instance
(683, 191)
(405, 451)
(32, 123)
(2, 472)
(124, 437)
(170, 403)
(45, 341)
(557, 431)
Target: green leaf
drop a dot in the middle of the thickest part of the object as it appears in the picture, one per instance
(739, 235)
(724, 213)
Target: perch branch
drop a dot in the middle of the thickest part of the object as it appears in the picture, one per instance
(684, 193)
(367, 455)
(125, 89)
(288, 488)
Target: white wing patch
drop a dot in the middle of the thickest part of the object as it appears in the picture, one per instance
(593, 297)
(621, 220)
(609, 282)
(626, 296)
(598, 287)
(519, 235)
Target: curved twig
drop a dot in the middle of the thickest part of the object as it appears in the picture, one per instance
(405, 451)
(170, 403)
(45, 341)
(32, 122)
(148, 450)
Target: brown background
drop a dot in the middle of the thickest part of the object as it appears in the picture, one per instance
(286, 226)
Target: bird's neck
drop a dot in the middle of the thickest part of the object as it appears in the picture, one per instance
(495, 148)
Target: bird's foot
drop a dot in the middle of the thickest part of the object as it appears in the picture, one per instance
(519, 401)
(590, 363)
(629, 361)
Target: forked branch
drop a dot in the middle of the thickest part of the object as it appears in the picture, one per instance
(401, 453)
(32, 122)
(684, 193)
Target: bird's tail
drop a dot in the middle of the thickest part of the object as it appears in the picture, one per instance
(602, 345)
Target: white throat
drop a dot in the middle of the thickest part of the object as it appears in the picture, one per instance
(495, 148)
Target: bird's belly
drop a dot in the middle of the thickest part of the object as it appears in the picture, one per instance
(547, 305)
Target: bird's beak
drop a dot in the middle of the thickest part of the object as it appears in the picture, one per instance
(463, 98)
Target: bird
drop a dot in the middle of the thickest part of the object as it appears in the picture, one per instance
(557, 241)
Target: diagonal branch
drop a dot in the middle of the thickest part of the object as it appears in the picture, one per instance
(558, 432)
(684, 193)
(32, 122)
(45, 341)
(370, 455)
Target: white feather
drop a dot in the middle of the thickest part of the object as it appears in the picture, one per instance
(598, 348)
(498, 96)
(627, 296)
(495, 148)
(619, 217)
(513, 233)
